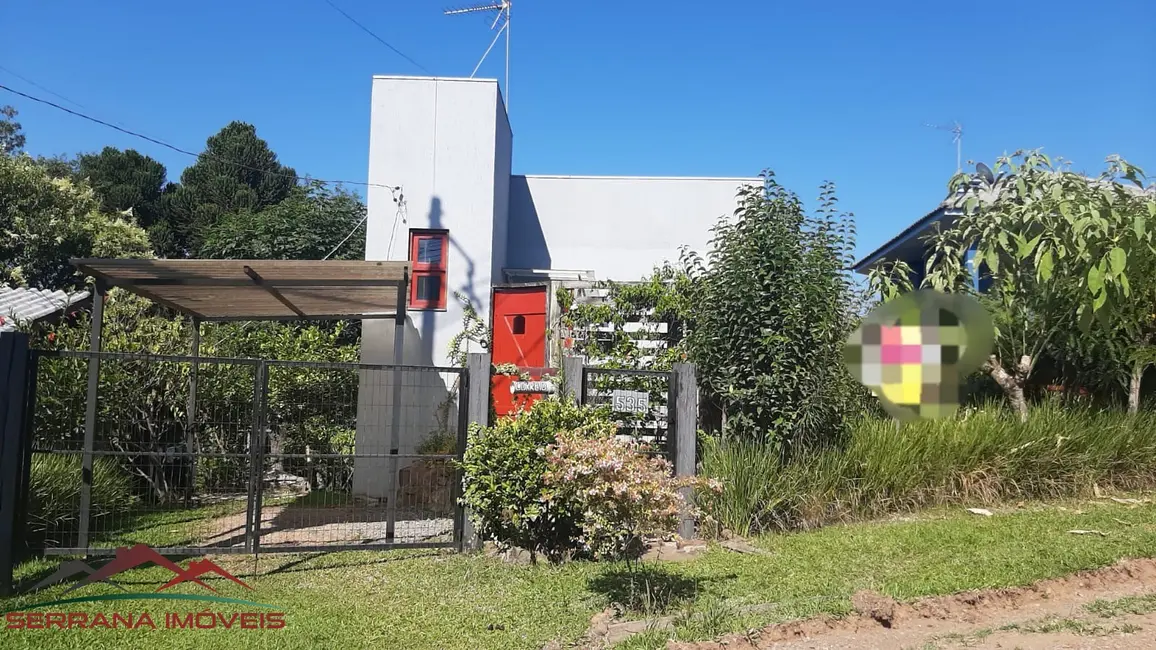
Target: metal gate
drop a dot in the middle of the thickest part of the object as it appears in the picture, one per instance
(196, 455)
(641, 402)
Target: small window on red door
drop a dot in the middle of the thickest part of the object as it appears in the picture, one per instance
(427, 255)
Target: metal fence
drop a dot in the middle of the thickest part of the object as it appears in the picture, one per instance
(204, 455)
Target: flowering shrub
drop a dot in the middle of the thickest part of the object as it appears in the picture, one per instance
(624, 495)
(503, 486)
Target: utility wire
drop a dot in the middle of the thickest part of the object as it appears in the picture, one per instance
(47, 90)
(342, 243)
(379, 39)
(392, 188)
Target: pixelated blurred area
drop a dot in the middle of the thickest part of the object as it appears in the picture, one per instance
(913, 352)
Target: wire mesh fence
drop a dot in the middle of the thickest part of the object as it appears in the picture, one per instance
(366, 437)
(638, 399)
(236, 455)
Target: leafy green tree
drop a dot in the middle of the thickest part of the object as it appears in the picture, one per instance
(44, 222)
(889, 279)
(1055, 247)
(58, 166)
(237, 171)
(125, 182)
(11, 133)
(770, 310)
(307, 225)
(1115, 242)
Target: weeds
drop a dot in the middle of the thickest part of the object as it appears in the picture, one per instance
(1052, 625)
(1135, 605)
(979, 457)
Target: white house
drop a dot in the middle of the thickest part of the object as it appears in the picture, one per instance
(470, 226)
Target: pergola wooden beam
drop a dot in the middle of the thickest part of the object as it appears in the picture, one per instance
(230, 290)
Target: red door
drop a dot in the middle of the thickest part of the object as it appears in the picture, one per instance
(519, 326)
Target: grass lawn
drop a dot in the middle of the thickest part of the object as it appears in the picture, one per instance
(432, 600)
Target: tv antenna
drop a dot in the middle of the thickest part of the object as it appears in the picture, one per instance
(503, 16)
(956, 129)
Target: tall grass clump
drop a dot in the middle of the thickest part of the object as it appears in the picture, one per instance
(980, 456)
(54, 494)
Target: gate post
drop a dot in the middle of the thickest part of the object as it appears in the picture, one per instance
(572, 378)
(478, 404)
(14, 397)
(685, 389)
(256, 459)
(96, 329)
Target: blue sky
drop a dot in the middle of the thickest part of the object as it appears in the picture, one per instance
(816, 91)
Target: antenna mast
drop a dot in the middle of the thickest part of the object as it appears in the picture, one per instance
(956, 129)
(503, 16)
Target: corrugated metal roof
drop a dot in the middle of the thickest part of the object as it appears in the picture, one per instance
(18, 305)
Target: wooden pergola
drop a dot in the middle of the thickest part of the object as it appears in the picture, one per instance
(232, 290)
(254, 290)
(246, 290)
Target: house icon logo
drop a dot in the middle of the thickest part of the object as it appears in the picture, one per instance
(57, 614)
(133, 557)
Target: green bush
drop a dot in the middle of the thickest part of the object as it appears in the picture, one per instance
(503, 484)
(769, 310)
(54, 493)
(438, 443)
(978, 457)
(625, 495)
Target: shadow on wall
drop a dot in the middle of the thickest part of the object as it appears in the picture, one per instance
(525, 242)
(468, 289)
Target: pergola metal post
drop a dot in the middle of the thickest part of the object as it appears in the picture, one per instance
(191, 446)
(100, 292)
(392, 478)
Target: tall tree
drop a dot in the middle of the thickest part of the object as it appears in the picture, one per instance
(58, 166)
(11, 133)
(307, 225)
(125, 181)
(46, 221)
(1115, 243)
(237, 171)
(770, 312)
(1055, 247)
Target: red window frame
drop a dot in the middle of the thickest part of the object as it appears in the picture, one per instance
(427, 270)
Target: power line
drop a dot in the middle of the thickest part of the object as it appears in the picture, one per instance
(393, 189)
(47, 90)
(379, 39)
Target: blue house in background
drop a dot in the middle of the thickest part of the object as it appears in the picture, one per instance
(910, 246)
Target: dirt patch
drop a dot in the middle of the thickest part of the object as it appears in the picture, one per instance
(1049, 614)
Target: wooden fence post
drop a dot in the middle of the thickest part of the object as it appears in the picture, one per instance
(685, 434)
(478, 367)
(572, 368)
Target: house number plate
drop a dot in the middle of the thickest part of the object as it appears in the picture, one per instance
(630, 401)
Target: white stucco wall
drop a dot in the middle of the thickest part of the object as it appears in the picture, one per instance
(447, 143)
(618, 227)
(438, 140)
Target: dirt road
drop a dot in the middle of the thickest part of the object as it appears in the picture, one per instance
(1111, 609)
